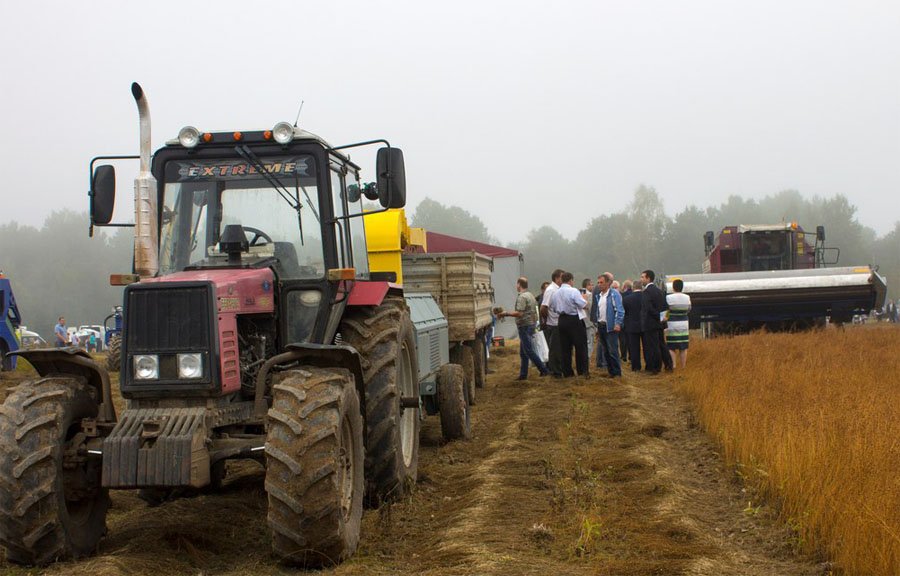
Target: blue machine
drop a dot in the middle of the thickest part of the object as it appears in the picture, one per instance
(11, 321)
(116, 329)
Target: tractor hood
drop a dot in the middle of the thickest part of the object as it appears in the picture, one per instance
(242, 291)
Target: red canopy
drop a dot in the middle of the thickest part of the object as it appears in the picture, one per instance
(438, 242)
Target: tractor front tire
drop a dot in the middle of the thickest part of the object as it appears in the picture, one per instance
(385, 339)
(114, 354)
(454, 406)
(315, 467)
(52, 505)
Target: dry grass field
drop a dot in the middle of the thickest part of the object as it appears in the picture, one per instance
(813, 420)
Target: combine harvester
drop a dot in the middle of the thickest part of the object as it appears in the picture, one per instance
(770, 276)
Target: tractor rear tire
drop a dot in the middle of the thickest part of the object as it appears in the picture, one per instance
(464, 356)
(454, 406)
(315, 467)
(385, 339)
(114, 354)
(479, 354)
(52, 505)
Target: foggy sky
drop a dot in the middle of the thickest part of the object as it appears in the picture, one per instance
(524, 113)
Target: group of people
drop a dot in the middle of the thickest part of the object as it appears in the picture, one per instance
(635, 322)
(62, 337)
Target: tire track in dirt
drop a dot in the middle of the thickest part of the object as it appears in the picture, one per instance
(464, 534)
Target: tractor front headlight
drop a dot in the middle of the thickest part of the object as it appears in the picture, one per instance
(146, 367)
(190, 366)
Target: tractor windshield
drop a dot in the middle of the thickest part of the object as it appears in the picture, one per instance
(279, 212)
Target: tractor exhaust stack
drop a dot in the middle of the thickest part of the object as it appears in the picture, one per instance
(146, 233)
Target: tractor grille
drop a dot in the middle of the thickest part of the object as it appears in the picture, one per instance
(168, 317)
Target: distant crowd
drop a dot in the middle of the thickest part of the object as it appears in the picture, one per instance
(87, 339)
(634, 323)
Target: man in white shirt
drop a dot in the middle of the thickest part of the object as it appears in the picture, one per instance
(551, 320)
(569, 304)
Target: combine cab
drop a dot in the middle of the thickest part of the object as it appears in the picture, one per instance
(771, 276)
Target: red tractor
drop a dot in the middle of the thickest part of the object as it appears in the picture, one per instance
(252, 329)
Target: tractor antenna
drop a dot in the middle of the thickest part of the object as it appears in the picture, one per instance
(297, 119)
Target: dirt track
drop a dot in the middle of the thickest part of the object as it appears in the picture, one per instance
(561, 477)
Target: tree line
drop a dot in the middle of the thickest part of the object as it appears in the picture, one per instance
(643, 235)
(58, 270)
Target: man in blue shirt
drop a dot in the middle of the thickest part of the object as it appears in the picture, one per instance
(610, 316)
(62, 339)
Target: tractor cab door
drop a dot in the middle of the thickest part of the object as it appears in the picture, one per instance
(313, 311)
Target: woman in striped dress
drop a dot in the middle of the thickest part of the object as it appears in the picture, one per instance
(677, 335)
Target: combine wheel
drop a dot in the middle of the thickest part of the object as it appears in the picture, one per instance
(385, 340)
(314, 467)
(454, 406)
(51, 503)
(464, 356)
(114, 354)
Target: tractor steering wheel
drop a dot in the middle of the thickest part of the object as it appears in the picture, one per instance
(257, 234)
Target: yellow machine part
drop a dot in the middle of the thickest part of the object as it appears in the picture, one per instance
(388, 236)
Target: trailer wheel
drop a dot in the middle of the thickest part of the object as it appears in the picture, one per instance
(315, 467)
(454, 406)
(5, 361)
(385, 340)
(114, 354)
(52, 505)
(464, 356)
(479, 354)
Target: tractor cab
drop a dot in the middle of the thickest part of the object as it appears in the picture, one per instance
(259, 231)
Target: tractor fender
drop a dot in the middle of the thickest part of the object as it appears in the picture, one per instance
(320, 356)
(372, 292)
(73, 361)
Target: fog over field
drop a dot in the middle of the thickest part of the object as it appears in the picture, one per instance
(523, 113)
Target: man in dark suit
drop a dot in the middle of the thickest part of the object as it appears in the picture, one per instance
(653, 304)
(631, 302)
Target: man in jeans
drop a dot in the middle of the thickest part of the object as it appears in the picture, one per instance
(526, 317)
(610, 316)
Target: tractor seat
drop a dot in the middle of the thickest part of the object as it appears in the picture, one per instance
(287, 264)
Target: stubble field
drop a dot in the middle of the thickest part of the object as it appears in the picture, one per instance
(769, 455)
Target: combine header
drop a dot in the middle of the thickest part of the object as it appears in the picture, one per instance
(771, 276)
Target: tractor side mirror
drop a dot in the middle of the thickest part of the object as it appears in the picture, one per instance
(103, 194)
(820, 234)
(391, 177)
